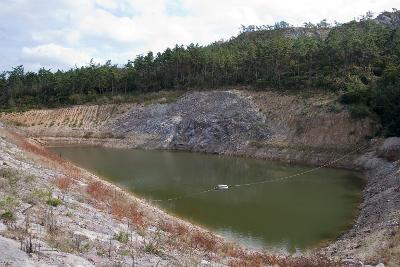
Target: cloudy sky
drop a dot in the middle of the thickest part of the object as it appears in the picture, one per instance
(60, 34)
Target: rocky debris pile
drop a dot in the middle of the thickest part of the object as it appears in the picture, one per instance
(374, 232)
(213, 122)
(390, 149)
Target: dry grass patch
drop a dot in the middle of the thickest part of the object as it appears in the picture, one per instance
(268, 259)
(392, 255)
(98, 190)
(205, 241)
(64, 183)
(120, 206)
(174, 228)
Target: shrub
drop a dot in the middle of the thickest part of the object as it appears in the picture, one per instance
(7, 216)
(360, 111)
(356, 92)
(54, 202)
(386, 104)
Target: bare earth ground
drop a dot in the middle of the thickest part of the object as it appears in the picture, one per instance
(72, 217)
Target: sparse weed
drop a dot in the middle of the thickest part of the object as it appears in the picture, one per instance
(11, 175)
(152, 249)
(8, 203)
(62, 242)
(30, 178)
(42, 195)
(122, 237)
(68, 214)
(8, 173)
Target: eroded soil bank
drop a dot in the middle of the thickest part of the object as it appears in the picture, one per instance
(286, 127)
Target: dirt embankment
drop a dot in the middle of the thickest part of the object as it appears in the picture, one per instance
(312, 129)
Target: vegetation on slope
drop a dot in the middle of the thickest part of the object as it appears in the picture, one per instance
(360, 60)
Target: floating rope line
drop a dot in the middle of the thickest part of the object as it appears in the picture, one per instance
(183, 196)
(266, 180)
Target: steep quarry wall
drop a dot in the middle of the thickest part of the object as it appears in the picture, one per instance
(308, 129)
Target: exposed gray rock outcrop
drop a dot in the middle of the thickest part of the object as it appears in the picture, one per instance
(391, 19)
(213, 122)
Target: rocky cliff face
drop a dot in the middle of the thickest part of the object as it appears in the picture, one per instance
(391, 19)
(200, 121)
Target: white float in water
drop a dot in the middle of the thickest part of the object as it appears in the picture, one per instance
(222, 187)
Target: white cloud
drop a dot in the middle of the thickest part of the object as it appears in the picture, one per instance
(108, 4)
(54, 56)
(111, 29)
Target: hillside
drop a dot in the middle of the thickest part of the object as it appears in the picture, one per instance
(359, 60)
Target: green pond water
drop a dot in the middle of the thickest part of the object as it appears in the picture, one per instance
(293, 214)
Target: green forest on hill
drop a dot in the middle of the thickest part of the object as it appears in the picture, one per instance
(359, 60)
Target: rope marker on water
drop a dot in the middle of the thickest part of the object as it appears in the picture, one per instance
(222, 187)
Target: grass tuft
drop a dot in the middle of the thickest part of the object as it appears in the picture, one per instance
(54, 202)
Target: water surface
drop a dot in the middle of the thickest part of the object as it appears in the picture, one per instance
(292, 214)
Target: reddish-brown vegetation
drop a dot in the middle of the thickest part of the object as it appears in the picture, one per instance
(137, 217)
(267, 259)
(121, 209)
(98, 190)
(176, 229)
(64, 182)
(37, 150)
(203, 240)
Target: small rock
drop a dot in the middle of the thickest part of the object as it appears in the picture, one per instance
(2, 227)
(204, 262)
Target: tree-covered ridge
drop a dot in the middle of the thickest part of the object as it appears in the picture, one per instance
(360, 60)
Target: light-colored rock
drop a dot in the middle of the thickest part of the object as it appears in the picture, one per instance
(391, 144)
(2, 227)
